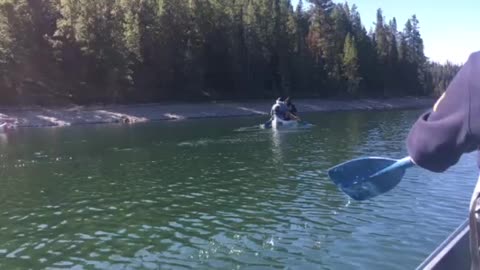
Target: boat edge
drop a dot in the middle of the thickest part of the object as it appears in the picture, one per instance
(434, 260)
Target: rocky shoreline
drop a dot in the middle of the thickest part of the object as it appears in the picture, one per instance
(78, 115)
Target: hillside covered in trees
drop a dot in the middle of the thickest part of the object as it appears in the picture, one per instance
(125, 51)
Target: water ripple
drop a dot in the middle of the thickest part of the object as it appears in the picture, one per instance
(183, 197)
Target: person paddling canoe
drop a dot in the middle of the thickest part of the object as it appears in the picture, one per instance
(281, 110)
(291, 109)
(450, 129)
(440, 136)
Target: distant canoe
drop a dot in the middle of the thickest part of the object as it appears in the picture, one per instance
(5, 126)
(279, 124)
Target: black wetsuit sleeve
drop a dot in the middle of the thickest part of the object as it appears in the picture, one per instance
(294, 109)
(440, 136)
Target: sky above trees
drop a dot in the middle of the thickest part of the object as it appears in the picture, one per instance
(449, 29)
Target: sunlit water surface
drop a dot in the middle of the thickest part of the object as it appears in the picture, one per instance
(219, 194)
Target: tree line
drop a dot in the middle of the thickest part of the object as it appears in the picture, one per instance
(126, 51)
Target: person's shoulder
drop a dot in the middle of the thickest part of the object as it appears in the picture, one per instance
(472, 66)
(474, 57)
(476, 53)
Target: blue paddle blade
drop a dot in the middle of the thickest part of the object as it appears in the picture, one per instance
(267, 125)
(360, 178)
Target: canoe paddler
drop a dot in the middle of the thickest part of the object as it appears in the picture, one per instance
(451, 128)
(293, 113)
(280, 110)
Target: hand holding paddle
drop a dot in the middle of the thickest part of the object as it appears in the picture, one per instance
(291, 115)
(365, 178)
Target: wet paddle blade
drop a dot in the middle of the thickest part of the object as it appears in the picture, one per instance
(267, 125)
(365, 178)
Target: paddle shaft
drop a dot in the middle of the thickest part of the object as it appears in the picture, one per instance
(403, 163)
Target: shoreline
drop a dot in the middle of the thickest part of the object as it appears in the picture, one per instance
(35, 116)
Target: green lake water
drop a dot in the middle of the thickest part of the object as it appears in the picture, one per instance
(219, 194)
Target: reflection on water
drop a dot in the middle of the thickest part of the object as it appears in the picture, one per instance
(3, 139)
(276, 146)
(207, 194)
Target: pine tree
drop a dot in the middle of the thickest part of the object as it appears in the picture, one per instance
(391, 73)
(350, 66)
(366, 52)
(321, 44)
(381, 38)
(151, 50)
(171, 58)
(92, 39)
(302, 62)
(27, 63)
(341, 26)
(414, 60)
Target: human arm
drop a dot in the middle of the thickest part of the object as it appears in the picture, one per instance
(293, 116)
(440, 136)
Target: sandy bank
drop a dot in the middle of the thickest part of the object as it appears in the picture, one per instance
(76, 115)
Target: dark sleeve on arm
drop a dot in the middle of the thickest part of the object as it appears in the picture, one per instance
(439, 137)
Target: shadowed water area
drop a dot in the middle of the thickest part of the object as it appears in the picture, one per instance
(219, 194)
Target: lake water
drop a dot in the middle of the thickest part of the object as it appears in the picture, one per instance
(216, 194)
